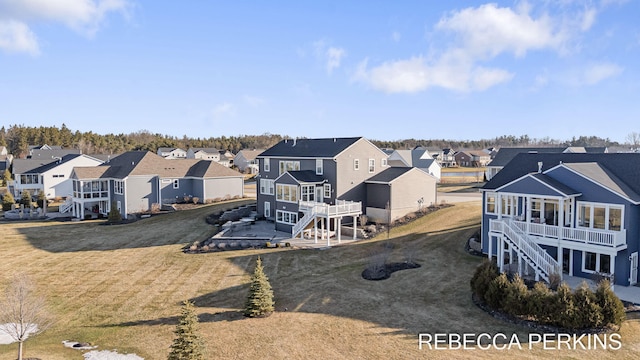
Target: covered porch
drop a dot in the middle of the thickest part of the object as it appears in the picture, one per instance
(322, 215)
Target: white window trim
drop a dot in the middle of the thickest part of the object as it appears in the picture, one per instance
(319, 167)
(266, 165)
(176, 183)
(327, 191)
(356, 164)
(269, 186)
(284, 164)
(607, 208)
(495, 203)
(598, 264)
(292, 215)
(383, 162)
(372, 166)
(118, 187)
(291, 187)
(267, 209)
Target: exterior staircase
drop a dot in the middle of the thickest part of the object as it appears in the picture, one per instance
(543, 264)
(303, 222)
(66, 206)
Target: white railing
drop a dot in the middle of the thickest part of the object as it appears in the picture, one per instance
(66, 206)
(342, 207)
(537, 256)
(588, 236)
(302, 223)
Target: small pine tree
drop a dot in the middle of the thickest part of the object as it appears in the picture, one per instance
(588, 312)
(114, 214)
(25, 198)
(7, 201)
(484, 274)
(563, 308)
(496, 293)
(612, 307)
(517, 297)
(260, 301)
(539, 302)
(6, 177)
(188, 345)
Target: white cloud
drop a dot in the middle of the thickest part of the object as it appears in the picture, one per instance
(224, 109)
(83, 16)
(16, 37)
(396, 36)
(331, 56)
(588, 18)
(600, 72)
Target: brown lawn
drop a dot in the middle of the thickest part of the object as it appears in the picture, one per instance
(120, 287)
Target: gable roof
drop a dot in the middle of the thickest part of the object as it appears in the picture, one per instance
(52, 153)
(250, 154)
(550, 184)
(506, 154)
(323, 148)
(26, 166)
(306, 176)
(411, 158)
(617, 171)
(389, 175)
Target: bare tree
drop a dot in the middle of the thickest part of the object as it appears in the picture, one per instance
(22, 312)
(633, 139)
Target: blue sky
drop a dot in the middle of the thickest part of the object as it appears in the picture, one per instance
(386, 70)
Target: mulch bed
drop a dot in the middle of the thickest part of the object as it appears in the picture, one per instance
(386, 271)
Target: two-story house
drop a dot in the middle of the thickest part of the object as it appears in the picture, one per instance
(172, 153)
(246, 159)
(418, 157)
(315, 185)
(574, 214)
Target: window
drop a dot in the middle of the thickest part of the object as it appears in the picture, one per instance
(490, 204)
(176, 183)
(266, 187)
(307, 192)
(286, 217)
(372, 165)
(267, 209)
(318, 166)
(509, 204)
(29, 179)
(384, 162)
(600, 216)
(266, 166)
(593, 262)
(118, 187)
(356, 164)
(289, 166)
(327, 191)
(288, 193)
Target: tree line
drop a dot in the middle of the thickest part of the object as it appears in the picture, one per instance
(17, 139)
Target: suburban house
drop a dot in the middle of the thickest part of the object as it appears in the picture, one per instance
(418, 157)
(472, 158)
(212, 154)
(51, 176)
(565, 213)
(172, 153)
(310, 185)
(246, 159)
(448, 158)
(139, 181)
(5, 159)
(47, 152)
(506, 154)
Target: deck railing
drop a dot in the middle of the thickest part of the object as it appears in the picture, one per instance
(342, 207)
(607, 238)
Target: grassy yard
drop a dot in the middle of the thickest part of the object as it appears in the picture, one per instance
(120, 287)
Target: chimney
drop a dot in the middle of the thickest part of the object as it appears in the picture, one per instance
(539, 166)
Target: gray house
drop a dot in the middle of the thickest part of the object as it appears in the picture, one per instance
(137, 181)
(310, 186)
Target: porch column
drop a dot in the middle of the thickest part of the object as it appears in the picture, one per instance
(315, 229)
(339, 229)
(570, 262)
(322, 228)
(501, 254)
(528, 214)
(355, 227)
(328, 231)
(560, 217)
(612, 270)
(510, 256)
(560, 257)
(490, 255)
(519, 263)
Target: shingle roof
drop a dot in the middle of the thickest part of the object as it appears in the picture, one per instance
(566, 190)
(506, 154)
(323, 148)
(617, 171)
(24, 166)
(412, 158)
(389, 174)
(306, 176)
(50, 154)
(250, 154)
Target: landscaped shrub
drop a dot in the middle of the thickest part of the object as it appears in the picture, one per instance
(260, 300)
(195, 200)
(7, 201)
(516, 297)
(562, 309)
(25, 198)
(588, 313)
(539, 302)
(114, 214)
(484, 274)
(495, 295)
(611, 306)
(41, 199)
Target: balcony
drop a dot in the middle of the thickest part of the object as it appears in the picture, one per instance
(606, 238)
(341, 208)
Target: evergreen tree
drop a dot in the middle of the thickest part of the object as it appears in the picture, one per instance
(188, 345)
(6, 177)
(612, 307)
(25, 198)
(114, 216)
(7, 201)
(260, 301)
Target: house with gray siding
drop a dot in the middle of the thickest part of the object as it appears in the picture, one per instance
(566, 213)
(419, 157)
(313, 186)
(136, 181)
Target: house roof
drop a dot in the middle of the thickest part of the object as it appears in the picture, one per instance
(507, 154)
(205, 150)
(323, 148)
(390, 174)
(250, 154)
(616, 171)
(306, 176)
(24, 166)
(411, 158)
(134, 163)
(554, 185)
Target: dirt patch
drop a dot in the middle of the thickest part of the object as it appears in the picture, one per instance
(388, 269)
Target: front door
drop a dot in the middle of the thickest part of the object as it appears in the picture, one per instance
(633, 279)
(319, 194)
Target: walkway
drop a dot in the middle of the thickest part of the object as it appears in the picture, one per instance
(626, 293)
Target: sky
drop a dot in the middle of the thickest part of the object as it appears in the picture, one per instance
(385, 70)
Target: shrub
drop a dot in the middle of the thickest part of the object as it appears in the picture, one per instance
(25, 198)
(41, 199)
(287, 244)
(516, 297)
(195, 200)
(588, 313)
(185, 199)
(484, 274)
(611, 306)
(554, 281)
(495, 295)
(114, 214)
(562, 309)
(260, 300)
(7, 201)
(539, 302)
(267, 244)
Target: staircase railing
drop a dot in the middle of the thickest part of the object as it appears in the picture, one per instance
(66, 206)
(302, 223)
